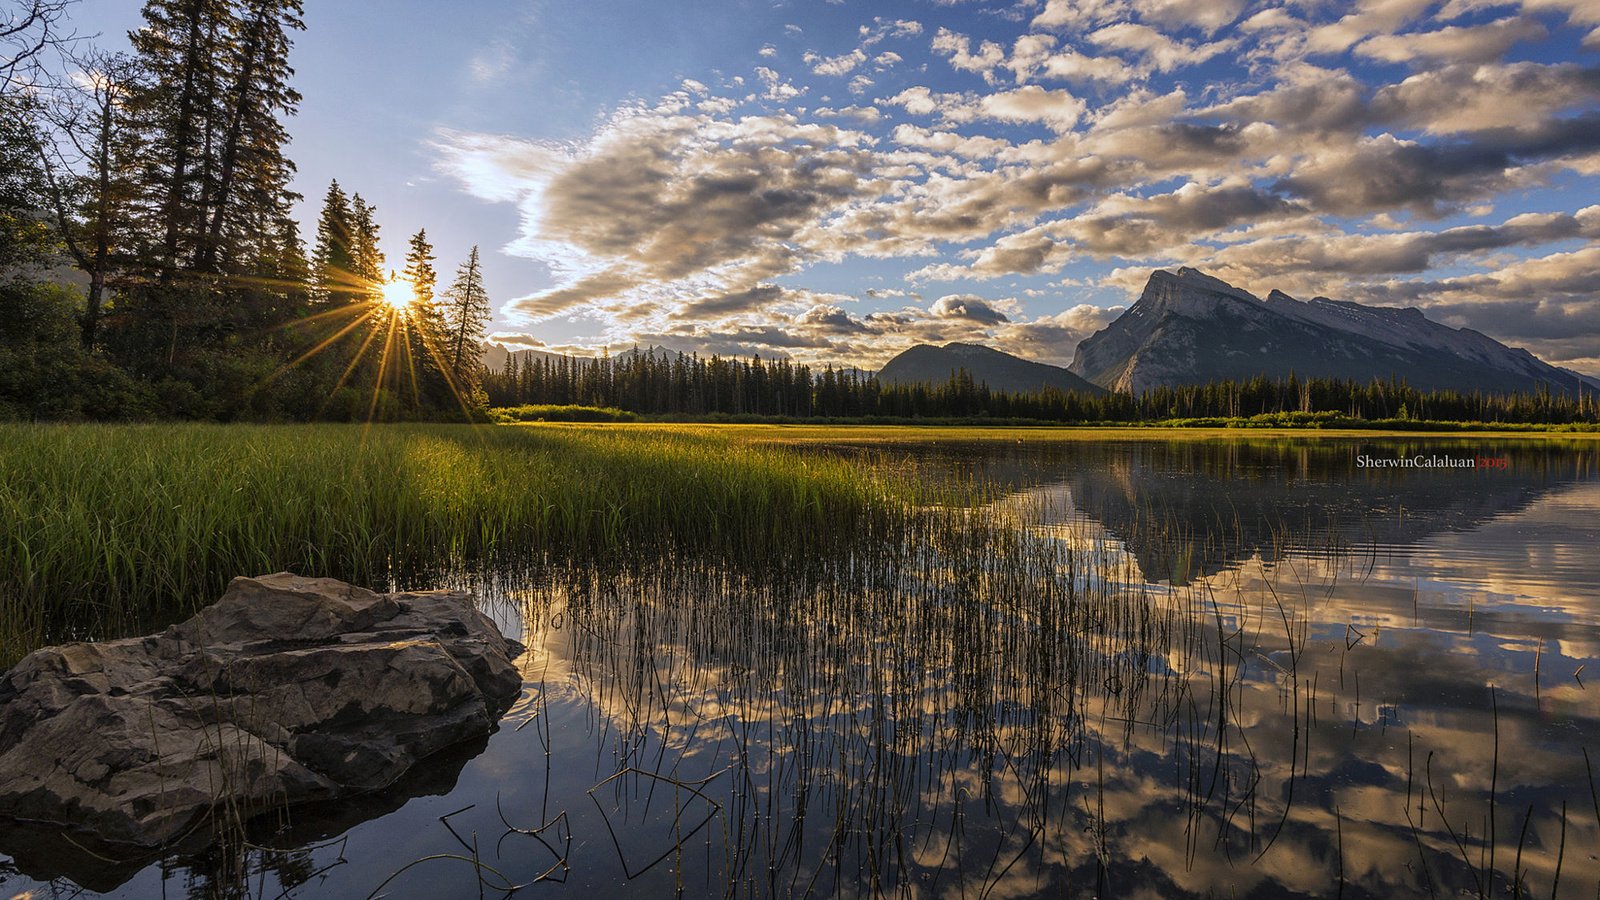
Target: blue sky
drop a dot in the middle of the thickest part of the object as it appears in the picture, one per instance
(834, 181)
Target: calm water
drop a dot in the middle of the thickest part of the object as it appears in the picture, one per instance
(1242, 668)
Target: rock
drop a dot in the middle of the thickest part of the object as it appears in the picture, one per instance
(287, 690)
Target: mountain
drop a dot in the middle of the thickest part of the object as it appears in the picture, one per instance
(927, 364)
(496, 357)
(1190, 328)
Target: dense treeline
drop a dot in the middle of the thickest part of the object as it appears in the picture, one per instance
(149, 262)
(676, 384)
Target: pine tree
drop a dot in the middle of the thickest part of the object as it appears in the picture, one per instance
(427, 325)
(251, 174)
(366, 258)
(466, 314)
(182, 50)
(332, 262)
(419, 270)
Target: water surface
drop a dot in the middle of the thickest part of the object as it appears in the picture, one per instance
(1158, 668)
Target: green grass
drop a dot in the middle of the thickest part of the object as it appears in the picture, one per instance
(107, 530)
(510, 415)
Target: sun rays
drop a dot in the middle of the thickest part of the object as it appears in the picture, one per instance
(391, 334)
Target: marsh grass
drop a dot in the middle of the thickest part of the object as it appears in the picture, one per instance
(984, 705)
(105, 530)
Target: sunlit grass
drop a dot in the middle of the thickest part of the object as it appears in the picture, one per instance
(108, 529)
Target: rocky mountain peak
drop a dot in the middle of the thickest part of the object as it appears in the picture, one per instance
(1189, 327)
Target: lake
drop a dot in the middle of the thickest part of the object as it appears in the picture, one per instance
(1244, 666)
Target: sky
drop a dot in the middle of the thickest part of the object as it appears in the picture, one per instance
(837, 180)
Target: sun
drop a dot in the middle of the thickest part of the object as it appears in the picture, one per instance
(398, 294)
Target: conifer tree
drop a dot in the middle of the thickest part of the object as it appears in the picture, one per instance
(419, 270)
(365, 257)
(332, 262)
(466, 314)
(250, 174)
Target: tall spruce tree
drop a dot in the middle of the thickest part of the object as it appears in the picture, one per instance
(366, 258)
(332, 261)
(419, 272)
(251, 175)
(466, 313)
(182, 50)
(427, 325)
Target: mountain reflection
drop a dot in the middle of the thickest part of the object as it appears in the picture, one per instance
(1191, 508)
(1308, 709)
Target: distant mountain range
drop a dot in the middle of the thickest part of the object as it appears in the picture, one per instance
(1189, 328)
(1000, 371)
(497, 357)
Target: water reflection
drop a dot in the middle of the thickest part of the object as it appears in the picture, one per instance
(1167, 669)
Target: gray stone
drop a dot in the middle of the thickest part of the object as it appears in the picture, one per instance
(287, 690)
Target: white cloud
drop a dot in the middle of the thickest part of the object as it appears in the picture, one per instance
(1155, 49)
(1474, 44)
(842, 64)
(958, 49)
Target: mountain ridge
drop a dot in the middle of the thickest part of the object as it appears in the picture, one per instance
(1001, 371)
(1188, 327)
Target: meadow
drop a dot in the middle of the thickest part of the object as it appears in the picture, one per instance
(106, 530)
(112, 529)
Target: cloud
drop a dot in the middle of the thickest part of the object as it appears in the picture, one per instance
(669, 210)
(1462, 98)
(958, 49)
(1071, 14)
(776, 88)
(1035, 56)
(969, 307)
(1055, 338)
(1549, 304)
(843, 64)
(1458, 44)
(1155, 49)
(1059, 110)
(1365, 255)
(1206, 15)
(1431, 180)
(1371, 17)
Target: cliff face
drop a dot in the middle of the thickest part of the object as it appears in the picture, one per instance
(1188, 327)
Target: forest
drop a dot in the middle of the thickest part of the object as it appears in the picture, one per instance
(150, 266)
(655, 383)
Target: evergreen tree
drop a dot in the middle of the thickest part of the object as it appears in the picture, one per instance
(332, 262)
(419, 270)
(426, 326)
(251, 173)
(365, 256)
(182, 50)
(466, 314)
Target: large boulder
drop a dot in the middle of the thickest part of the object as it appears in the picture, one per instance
(287, 690)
